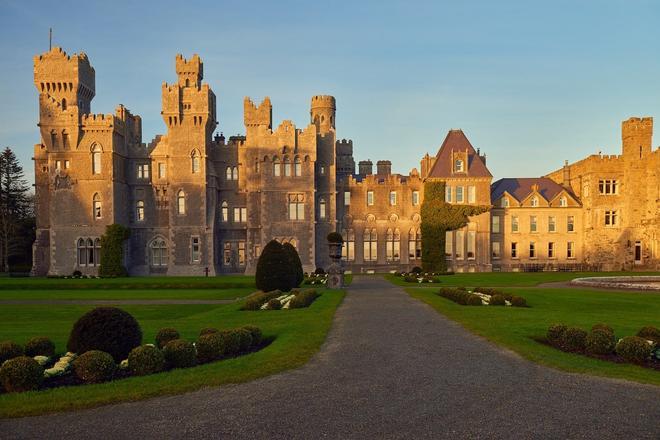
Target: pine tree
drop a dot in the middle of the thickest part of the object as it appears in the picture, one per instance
(15, 206)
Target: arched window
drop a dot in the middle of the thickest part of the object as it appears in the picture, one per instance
(370, 245)
(139, 210)
(414, 244)
(393, 245)
(90, 252)
(322, 208)
(348, 249)
(181, 202)
(158, 251)
(287, 167)
(297, 167)
(225, 211)
(276, 167)
(96, 206)
(97, 251)
(535, 201)
(96, 159)
(234, 173)
(82, 252)
(195, 161)
(228, 174)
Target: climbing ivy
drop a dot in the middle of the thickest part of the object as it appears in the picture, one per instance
(112, 251)
(438, 217)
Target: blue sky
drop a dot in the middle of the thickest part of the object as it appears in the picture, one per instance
(530, 82)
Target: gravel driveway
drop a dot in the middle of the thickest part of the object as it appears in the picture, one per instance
(390, 368)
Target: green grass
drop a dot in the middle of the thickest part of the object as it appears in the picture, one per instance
(502, 279)
(515, 328)
(124, 294)
(139, 283)
(298, 335)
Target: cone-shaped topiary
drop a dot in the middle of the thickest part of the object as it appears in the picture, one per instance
(20, 374)
(108, 329)
(146, 359)
(273, 269)
(294, 263)
(39, 346)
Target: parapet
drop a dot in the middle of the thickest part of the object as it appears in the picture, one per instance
(56, 69)
(256, 116)
(324, 101)
(190, 72)
(344, 147)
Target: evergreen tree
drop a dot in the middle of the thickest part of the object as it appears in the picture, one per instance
(295, 264)
(15, 208)
(273, 269)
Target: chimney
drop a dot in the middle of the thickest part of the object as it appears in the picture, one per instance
(567, 175)
(366, 167)
(384, 167)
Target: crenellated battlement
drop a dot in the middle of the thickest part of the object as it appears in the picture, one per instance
(98, 120)
(324, 101)
(257, 115)
(190, 71)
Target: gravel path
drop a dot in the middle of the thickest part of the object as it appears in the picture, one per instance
(390, 368)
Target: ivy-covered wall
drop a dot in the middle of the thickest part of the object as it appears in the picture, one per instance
(112, 251)
(438, 217)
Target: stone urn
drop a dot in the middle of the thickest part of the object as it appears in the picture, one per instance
(335, 270)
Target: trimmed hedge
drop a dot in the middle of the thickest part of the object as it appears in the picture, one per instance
(518, 301)
(497, 300)
(274, 269)
(604, 327)
(555, 334)
(40, 346)
(600, 341)
(10, 350)
(459, 296)
(650, 333)
(208, 331)
(146, 359)
(210, 347)
(256, 300)
(166, 335)
(106, 329)
(179, 353)
(303, 299)
(232, 341)
(574, 339)
(256, 334)
(20, 374)
(94, 366)
(634, 349)
(245, 338)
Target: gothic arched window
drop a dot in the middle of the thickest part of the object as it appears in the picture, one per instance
(234, 173)
(195, 161)
(297, 167)
(225, 211)
(96, 206)
(82, 252)
(393, 245)
(287, 167)
(276, 167)
(181, 202)
(139, 210)
(370, 245)
(96, 159)
(158, 251)
(348, 249)
(228, 174)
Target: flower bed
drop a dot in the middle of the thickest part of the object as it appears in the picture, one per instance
(642, 349)
(277, 300)
(315, 279)
(481, 296)
(419, 277)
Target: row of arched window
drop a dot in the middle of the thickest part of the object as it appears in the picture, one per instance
(392, 244)
(286, 167)
(96, 151)
(231, 173)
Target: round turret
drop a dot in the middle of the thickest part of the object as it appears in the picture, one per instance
(323, 112)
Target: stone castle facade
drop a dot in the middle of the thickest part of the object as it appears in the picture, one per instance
(197, 203)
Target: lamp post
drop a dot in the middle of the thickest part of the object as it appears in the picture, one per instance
(335, 270)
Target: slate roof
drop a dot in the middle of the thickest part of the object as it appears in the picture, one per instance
(521, 188)
(457, 141)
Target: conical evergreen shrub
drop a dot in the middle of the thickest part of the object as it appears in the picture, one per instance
(274, 271)
(294, 263)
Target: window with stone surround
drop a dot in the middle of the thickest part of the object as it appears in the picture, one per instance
(97, 206)
(459, 194)
(460, 245)
(241, 253)
(195, 162)
(228, 174)
(143, 171)
(348, 248)
(570, 249)
(370, 198)
(181, 202)
(226, 254)
(532, 249)
(89, 252)
(514, 249)
(393, 245)
(392, 198)
(139, 210)
(96, 159)
(448, 194)
(496, 224)
(551, 250)
(347, 198)
(296, 206)
(297, 167)
(496, 250)
(370, 245)
(533, 226)
(322, 212)
(158, 252)
(276, 167)
(514, 223)
(611, 218)
(449, 245)
(240, 215)
(195, 249)
(552, 224)
(608, 187)
(570, 223)
(459, 166)
(471, 245)
(563, 202)
(415, 244)
(224, 209)
(415, 198)
(472, 194)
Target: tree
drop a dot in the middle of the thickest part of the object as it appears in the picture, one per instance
(112, 251)
(294, 263)
(274, 271)
(15, 208)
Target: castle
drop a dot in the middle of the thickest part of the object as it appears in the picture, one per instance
(197, 203)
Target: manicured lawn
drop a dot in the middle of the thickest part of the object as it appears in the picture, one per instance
(501, 279)
(297, 334)
(139, 283)
(126, 294)
(515, 328)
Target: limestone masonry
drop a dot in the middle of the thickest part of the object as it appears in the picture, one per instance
(197, 202)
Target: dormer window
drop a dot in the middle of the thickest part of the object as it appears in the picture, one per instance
(459, 166)
(535, 201)
(563, 202)
(505, 202)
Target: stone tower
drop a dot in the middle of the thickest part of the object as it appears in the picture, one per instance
(636, 135)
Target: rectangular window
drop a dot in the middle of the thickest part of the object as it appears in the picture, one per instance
(608, 187)
(66, 164)
(471, 245)
(347, 198)
(514, 250)
(415, 198)
(472, 194)
(459, 194)
(195, 249)
(552, 224)
(392, 198)
(514, 223)
(570, 251)
(297, 207)
(449, 245)
(611, 218)
(237, 215)
(448, 194)
(322, 210)
(241, 253)
(370, 198)
(496, 224)
(532, 249)
(226, 254)
(139, 210)
(58, 165)
(348, 250)
(551, 250)
(162, 173)
(532, 224)
(143, 171)
(570, 223)
(496, 249)
(460, 245)
(243, 215)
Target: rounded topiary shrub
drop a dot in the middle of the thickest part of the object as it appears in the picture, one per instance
(9, 350)
(604, 327)
(256, 334)
(274, 304)
(600, 341)
(335, 237)
(274, 270)
(146, 359)
(497, 300)
(474, 300)
(39, 346)
(245, 337)
(208, 331)
(210, 347)
(107, 329)
(574, 339)
(166, 335)
(416, 269)
(232, 342)
(518, 301)
(650, 333)
(555, 334)
(20, 374)
(319, 271)
(179, 353)
(294, 263)
(94, 366)
(634, 349)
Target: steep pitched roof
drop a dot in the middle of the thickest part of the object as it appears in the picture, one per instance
(457, 141)
(521, 187)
